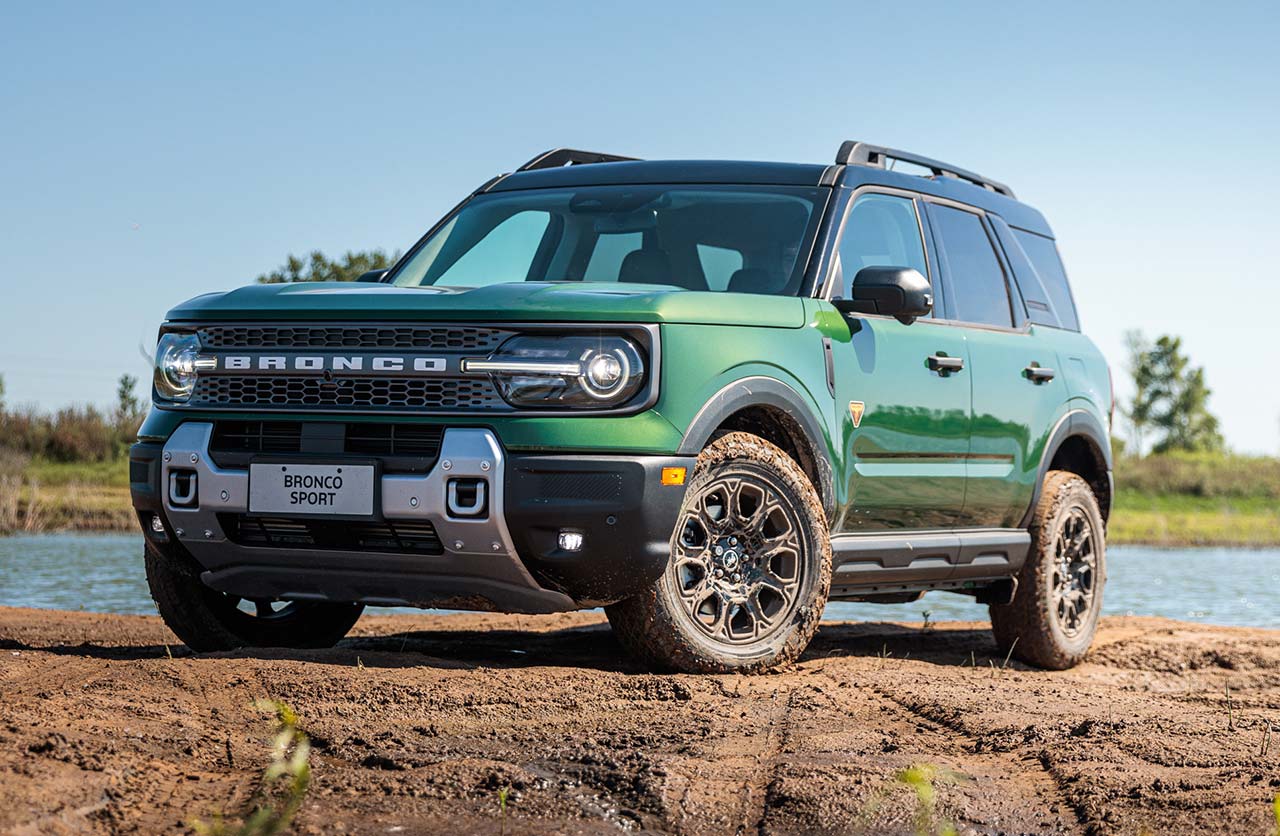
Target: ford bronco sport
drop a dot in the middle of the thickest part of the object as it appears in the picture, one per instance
(707, 396)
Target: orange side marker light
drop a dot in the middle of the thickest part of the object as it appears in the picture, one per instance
(673, 475)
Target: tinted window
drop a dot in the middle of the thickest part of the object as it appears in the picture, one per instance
(505, 250)
(752, 239)
(718, 265)
(881, 231)
(1043, 255)
(976, 278)
(608, 254)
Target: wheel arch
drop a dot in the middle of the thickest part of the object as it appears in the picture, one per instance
(776, 412)
(1079, 445)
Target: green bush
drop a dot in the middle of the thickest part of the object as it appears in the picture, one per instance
(72, 434)
(1210, 475)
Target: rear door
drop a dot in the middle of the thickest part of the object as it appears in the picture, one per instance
(903, 389)
(1016, 386)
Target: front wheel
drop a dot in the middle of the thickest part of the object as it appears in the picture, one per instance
(749, 572)
(207, 620)
(1053, 616)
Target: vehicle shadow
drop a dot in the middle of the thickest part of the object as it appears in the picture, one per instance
(591, 646)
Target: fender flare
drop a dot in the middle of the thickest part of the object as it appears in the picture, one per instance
(1076, 423)
(764, 391)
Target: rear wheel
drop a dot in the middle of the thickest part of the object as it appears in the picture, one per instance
(750, 567)
(207, 620)
(1054, 614)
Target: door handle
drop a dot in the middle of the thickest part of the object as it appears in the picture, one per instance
(1039, 374)
(943, 364)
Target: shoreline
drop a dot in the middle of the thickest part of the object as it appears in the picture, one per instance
(1138, 519)
(418, 722)
(1171, 540)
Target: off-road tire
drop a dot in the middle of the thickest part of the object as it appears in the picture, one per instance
(1028, 625)
(207, 620)
(655, 626)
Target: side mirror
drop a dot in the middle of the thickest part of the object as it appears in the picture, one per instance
(900, 292)
(373, 276)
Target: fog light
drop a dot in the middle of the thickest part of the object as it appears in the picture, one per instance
(157, 525)
(571, 541)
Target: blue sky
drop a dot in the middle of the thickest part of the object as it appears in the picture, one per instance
(151, 152)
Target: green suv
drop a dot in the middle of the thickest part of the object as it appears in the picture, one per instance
(707, 396)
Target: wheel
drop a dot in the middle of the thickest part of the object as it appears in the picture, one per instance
(749, 572)
(208, 620)
(1051, 621)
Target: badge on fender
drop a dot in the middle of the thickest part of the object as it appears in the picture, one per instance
(856, 411)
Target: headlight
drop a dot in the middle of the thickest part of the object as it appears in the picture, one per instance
(176, 365)
(565, 372)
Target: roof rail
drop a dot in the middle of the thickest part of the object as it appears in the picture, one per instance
(861, 153)
(558, 157)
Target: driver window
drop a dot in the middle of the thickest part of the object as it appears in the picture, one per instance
(880, 231)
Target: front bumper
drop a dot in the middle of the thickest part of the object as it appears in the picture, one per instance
(507, 559)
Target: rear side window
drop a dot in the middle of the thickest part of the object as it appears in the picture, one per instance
(978, 286)
(1043, 254)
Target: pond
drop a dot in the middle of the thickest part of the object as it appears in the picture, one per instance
(103, 573)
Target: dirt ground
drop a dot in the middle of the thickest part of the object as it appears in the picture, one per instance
(418, 722)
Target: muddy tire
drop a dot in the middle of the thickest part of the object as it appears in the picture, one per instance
(750, 567)
(208, 620)
(1053, 616)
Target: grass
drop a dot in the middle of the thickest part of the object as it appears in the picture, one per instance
(1187, 520)
(283, 786)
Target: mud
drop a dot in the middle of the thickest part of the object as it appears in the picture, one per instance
(419, 721)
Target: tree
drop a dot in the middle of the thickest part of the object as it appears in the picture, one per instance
(1171, 397)
(1, 393)
(317, 268)
(127, 404)
(1139, 411)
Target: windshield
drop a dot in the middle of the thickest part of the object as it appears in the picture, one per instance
(742, 239)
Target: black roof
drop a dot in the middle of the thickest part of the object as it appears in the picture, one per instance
(665, 171)
(856, 164)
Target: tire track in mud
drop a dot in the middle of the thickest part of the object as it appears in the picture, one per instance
(1044, 780)
(755, 802)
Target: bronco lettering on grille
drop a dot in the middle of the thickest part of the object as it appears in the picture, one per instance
(329, 363)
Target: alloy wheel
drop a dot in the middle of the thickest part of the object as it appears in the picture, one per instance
(1075, 573)
(737, 559)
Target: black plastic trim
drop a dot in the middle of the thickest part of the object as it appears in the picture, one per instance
(1082, 424)
(898, 561)
(619, 505)
(764, 391)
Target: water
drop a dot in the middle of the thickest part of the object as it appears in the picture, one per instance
(103, 573)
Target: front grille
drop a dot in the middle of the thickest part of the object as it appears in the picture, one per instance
(432, 337)
(256, 437)
(351, 394)
(403, 537)
(394, 439)
(402, 448)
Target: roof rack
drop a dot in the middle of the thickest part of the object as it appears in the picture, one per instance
(558, 157)
(861, 153)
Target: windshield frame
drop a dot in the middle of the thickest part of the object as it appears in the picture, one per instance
(805, 269)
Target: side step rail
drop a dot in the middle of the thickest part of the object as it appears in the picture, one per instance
(906, 561)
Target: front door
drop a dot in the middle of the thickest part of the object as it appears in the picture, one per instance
(904, 389)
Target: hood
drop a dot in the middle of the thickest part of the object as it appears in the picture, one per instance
(514, 302)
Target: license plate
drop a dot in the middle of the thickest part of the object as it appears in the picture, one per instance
(311, 489)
